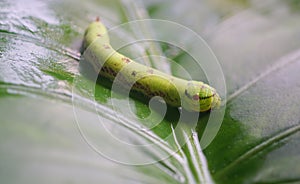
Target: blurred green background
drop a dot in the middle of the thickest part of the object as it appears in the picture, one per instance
(257, 45)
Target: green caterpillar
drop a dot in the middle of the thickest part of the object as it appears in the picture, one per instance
(191, 95)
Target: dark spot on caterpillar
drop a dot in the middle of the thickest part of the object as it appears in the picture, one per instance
(187, 94)
(125, 59)
(161, 94)
(141, 87)
(138, 85)
(99, 35)
(109, 71)
(157, 93)
(153, 93)
(150, 71)
(133, 73)
(104, 69)
(97, 19)
(106, 46)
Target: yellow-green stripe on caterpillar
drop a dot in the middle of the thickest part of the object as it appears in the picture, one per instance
(191, 95)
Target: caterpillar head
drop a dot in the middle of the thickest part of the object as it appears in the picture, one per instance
(200, 97)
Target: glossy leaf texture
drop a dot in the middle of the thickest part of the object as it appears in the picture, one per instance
(46, 139)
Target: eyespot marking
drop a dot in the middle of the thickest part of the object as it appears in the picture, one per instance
(196, 97)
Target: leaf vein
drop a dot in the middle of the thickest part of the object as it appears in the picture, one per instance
(281, 62)
(266, 143)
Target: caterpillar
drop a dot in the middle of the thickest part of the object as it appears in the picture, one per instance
(191, 95)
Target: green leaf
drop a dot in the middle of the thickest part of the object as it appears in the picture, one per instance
(49, 126)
